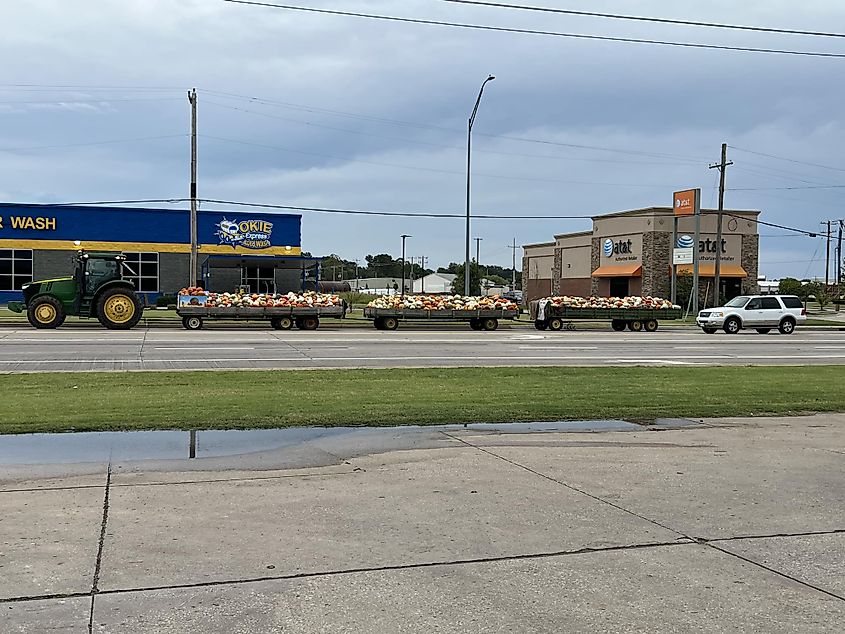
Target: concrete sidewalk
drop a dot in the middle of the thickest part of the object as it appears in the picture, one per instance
(727, 526)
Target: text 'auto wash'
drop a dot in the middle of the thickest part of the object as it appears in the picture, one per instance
(261, 251)
(630, 253)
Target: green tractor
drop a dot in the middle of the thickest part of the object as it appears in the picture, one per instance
(96, 289)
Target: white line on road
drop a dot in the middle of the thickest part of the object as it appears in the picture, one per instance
(658, 361)
(558, 347)
(216, 348)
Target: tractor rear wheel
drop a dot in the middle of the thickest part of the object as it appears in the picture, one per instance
(45, 312)
(118, 309)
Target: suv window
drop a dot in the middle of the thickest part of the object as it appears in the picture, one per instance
(737, 302)
(770, 303)
(754, 304)
(792, 302)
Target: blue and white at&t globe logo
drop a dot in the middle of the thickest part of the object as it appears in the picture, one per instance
(685, 242)
(608, 248)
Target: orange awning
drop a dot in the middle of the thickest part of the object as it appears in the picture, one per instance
(708, 269)
(619, 270)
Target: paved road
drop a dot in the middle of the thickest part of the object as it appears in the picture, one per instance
(26, 350)
(727, 526)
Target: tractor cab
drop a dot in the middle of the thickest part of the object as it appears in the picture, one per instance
(96, 289)
(93, 269)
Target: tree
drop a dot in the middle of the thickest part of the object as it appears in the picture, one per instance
(683, 289)
(790, 286)
(817, 291)
(474, 280)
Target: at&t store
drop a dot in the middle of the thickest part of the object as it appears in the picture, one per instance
(630, 253)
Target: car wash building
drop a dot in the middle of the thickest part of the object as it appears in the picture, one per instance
(260, 251)
(630, 253)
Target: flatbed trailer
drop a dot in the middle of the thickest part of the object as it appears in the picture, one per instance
(486, 319)
(280, 318)
(547, 316)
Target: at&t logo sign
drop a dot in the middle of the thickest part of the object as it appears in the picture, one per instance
(608, 248)
(685, 242)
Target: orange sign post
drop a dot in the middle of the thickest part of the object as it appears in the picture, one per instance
(687, 203)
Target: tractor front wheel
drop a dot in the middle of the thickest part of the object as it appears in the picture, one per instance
(45, 312)
(118, 309)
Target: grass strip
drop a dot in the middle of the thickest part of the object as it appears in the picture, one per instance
(261, 399)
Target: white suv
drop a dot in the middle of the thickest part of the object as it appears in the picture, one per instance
(761, 312)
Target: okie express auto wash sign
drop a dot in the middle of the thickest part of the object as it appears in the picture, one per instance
(134, 229)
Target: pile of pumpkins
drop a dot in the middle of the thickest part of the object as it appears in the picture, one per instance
(654, 303)
(308, 299)
(442, 302)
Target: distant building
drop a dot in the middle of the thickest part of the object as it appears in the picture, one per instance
(435, 283)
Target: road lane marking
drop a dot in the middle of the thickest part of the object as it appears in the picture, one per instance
(216, 348)
(558, 347)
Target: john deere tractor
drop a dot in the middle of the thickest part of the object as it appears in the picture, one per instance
(96, 289)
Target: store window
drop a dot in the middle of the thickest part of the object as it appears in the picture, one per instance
(259, 279)
(15, 268)
(142, 270)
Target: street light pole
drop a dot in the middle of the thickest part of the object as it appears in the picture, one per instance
(469, 162)
(404, 236)
(478, 263)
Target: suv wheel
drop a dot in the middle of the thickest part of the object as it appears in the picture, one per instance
(787, 326)
(732, 325)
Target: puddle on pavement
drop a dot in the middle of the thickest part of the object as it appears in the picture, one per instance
(81, 447)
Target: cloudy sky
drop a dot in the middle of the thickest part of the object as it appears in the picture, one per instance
(343, 112)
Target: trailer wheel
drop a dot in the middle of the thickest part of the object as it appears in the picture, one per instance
(307, 323)
(540, 324)
(281, 323)
(490, 324)
(192, 322)
(650, 325)
(45, 312)
(618, 325)
(555, 323)
(475, 323)
(390, 323)
(635, 325)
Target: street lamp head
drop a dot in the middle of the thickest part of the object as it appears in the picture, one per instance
(491, 77)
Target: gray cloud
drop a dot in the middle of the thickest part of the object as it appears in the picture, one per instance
(635, 98)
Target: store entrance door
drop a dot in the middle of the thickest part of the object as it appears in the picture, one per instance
(731, 287)
(619, 286)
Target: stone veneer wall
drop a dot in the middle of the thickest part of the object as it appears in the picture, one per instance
(595, 262)
(657, 276)
(750, 262)
(557, 267)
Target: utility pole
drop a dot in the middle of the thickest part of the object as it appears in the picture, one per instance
(722, 166)
(423, 258)
(357, 282)
(513, 266)
(478, 264)
(839, 267)
(827, 259)
(194, 264)
(404, 237)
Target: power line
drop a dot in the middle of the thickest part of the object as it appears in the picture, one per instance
(403, 214)
(790, 160)
(65, 145)
(340, 113)
(614, 16)
(434, 170)
(502, 29)
(755, 189)
(430, 143)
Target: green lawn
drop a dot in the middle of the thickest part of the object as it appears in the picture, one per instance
(184, 400)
